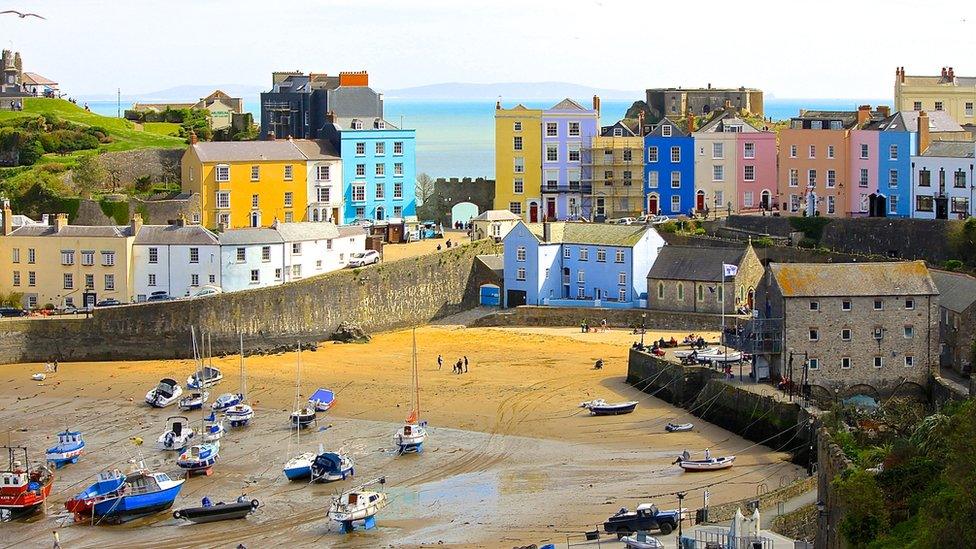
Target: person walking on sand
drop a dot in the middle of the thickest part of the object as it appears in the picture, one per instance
(465, 363)
(55, 365)
(440, 361)
(57, 539)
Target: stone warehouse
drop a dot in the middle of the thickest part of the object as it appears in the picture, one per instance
(957, 320)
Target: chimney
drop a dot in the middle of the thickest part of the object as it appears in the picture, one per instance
(331, 117)
(863, 114)
(271, 136)
(596, 104)
(640, 123)
(885, 111)
(498, 105)
(60, 221)
(900, 74)
(546, 231)
(136, 223)
(691, 122)
(923, 132)
(45, 220)
(193, 137)
(709, 85)
(180, 220)
(8, 218)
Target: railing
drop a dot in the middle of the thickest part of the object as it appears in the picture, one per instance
(590, 302)
(567, 188)
(756, 336)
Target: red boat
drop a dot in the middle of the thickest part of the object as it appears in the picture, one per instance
(22, 488)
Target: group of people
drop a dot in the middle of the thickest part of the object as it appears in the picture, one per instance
(460, 367)
(695, 341)
(448, 244)
(585, 326)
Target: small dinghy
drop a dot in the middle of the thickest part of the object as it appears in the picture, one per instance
(303, 417)
(69, 448)
(358, 505)
(300, 466)
(167, 392)
(331, 466)
(213, 512)
(707, 464)
(39, 376)
(641, 540)
(178, 436)
(213, 428)
(194, 401)
(678, 427)
(208, 377)
(199, 458)
(225, 401)
(239, 415)
(685, 353)
(601, 407)
(322, 400)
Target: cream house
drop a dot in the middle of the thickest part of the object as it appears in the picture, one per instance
(493, 224)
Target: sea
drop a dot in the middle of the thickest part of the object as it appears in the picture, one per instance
(456, 138)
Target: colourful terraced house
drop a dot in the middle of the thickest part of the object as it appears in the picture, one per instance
(669, 167)
(566, 126)
(518, 161)
(735, 165)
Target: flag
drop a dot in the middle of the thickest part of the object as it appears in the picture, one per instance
(729, 270)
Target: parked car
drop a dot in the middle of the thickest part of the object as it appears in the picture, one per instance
(159, 295)
(361, 259)
(646, 517)
(69, 310)
(623, 221)
(208, 290)
(111, 302)
(9, 312)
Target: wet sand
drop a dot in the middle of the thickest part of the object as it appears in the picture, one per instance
(511, 459)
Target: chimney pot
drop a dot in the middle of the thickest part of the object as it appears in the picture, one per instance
(60, 221)
(8, 218)
(193, 137)
(136, 223)
(596, 104)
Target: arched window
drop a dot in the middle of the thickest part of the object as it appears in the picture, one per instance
(660, 290)
(379, 213)
(701, 292)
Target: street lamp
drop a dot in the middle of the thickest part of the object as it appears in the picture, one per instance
(643, 328)
(681, 496)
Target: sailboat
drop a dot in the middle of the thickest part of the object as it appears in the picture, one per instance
(358, 504)
(411, 437)
(304, 416)
(200, 458)
(241, 413)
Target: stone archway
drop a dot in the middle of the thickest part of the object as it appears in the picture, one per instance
(463, 212)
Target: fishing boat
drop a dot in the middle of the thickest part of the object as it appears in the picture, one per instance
(205, 378)
(411, 436)
(69, 448)
(23, 488)
(331, 466)
(208, 512)
(300, 466)
(226, 401)
(600, 407)
(194, 401)
(707, 464)
(358, 505)
(678, 427)
(177, 436)
(199, 458)
(322, 400)
(241, 413)
(119, 496)
(107, 485)
(166, 392)
(303, 416)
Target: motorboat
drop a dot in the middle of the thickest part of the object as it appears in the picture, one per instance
(678, 427)
(213, 428)
(194, 401)
(322, 400)
(641, 540)
(208, 376)
(177, 436)
(208, 512)
(239, 415)
(23, 489)
(718, 355)
(331, 466)
(122, 496)
(69, 448)
(167, 392)
(303, 417)
(411, 436)
(358, 505)
(600, 407)
(199, 458)
(300, 466)
(685, 353)
(225, 401)
(707, 464)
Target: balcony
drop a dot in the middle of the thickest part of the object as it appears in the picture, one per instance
(584, 188)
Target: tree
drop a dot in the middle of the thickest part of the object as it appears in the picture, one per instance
(425, 188)
(865, 517)
(88, 175)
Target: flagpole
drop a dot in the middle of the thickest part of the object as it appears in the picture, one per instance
(721, 338)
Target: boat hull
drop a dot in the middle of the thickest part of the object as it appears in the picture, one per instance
(714, 464)
(298, 472)
(217, 512)
(139, 504)
(674, 428)
(60, 457)
(613, 410)
(28, 500)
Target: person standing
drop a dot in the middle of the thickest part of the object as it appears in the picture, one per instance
(465, 363)
(440, 361)
(57, 539)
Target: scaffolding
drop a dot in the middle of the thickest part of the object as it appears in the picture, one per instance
(613, 168)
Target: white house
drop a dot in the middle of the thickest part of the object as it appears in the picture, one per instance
(251, 258)
(493, 224)
(177, 259)
(942, 180)
(36, 84)
(323, 179)
(352, 238)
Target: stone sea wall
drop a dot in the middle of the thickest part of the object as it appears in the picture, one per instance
(532, 315)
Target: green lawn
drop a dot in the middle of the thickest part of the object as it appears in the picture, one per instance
(162, 128)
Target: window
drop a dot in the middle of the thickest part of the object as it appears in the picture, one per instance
(254, 201)
(573, 150)
(845, 334)
(322, 173)
(924, 178)
(360, 170)
(69, 281)
(323, 194)
(893, 204)
(794, 177)
(845, 305)
(31, 278)
(845, 363)
(675, 180)
(718, 150)
(16, 278)
(864, 151)
(909, 331)
(296, 271)
(552, 153)
(893, 178)
(255, 173)
(878, 361)
(517, 126)
(278, 273)
(241, 255)
(255, 276)
(792, 151)
(878, 304)
(359, 192)
(718, 172)
(222, 173)
(381, 170)
(601, 255)
(892, 152)
(289, 197)
(580, 292)
(15, 254)
(701, 292)
(90, 281)
(813, 364)
(628, 177)
(814, 334)
(581, 276)
(152, 280)
(67, 257)
(652, 154)
(812, 151)
(520, 253)
(380, 191)
(619, 256)
(574, 129)
(917, 106)
(628, 155)
(878, 333)
(584, 254)
(194, 255)
(520, 273)
(398, 148)
(552, 179)
(622, 278)
(361, 149)
(109, 282)
(515, 208)
(552, 130)
(88, 257)
(194, 279)
(863, 180)
(959, 179)
(519, 165)
(924, 203)
(681, 292)
(749, 173)
(666, 130)
(814, 305)
(747, 199)
(909, 359)
(212, 279)
(108, 259)
(969, 108)
(380, 148)
(519, 185)
(748, 150)
(660, 290)
(675, 155)
(153, 255)
(910, 304)
(223, 199)
(652, 178)
(939, 105)
(398, 190)
(296, 248)
(265, 254)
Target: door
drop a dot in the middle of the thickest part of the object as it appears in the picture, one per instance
(551, 208)
(255, 219)
(379, 213)
(490, 295)
(533, 212)
(941, 207)
(764, 200)
(700, 201)
(514, 298)
(652, 205)
(751, 300)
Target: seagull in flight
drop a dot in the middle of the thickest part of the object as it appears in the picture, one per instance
(22, 15)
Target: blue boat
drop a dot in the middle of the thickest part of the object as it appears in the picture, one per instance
(69, 448)
(225, 401)
(121, 496)
(322, 400)
(300, 466)
(199, 458)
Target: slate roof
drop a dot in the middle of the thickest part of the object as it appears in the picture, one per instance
(242, 151)
(496, 215)
(567, 105)
(600, 234)
(957, 292)
(939, 121)
(718, 124)
(306, 230)
(494, 262)
(951, 149)
(853, 279)
(351, 230)
(628, 126)
(369, 123)
(692, 263)
(80, 231)
(317, 149)
(175, 235)
(256, 235)
(676, 130)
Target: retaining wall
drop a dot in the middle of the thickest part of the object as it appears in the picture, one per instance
(533, 315)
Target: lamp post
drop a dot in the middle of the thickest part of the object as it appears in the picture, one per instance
(681, 496)
(970, 189)
(643, 328)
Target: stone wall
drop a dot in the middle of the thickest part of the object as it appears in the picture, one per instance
(773, 254)
(831, 462)
(448, 192)
(124, 167)
(154, 212)
(532, 315)
(389, 296)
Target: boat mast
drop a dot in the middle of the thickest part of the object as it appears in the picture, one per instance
(243, 378)
(416, 376)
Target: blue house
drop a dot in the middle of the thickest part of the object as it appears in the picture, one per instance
(572, 264)
(669, 169)
(379, 170)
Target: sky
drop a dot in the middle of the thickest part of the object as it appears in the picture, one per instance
(827, 49)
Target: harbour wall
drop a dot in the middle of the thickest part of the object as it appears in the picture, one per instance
(532, 315)
(388, 296)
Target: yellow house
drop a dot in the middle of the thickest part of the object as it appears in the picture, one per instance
(947, 92)
(67, 265)
(518, 161)
(247, 183)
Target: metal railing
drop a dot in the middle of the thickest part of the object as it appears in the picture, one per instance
(756, 336)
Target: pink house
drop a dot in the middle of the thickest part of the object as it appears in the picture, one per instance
(756, 163)
(863, 176)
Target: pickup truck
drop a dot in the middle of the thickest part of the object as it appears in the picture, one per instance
(645, 518)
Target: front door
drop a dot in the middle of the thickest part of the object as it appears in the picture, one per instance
(700, 201)
(941, 207)
(764, 200)
(652, 204)
(533, 212)
(551, 208)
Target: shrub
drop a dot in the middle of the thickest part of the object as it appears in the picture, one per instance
(807, 242)
(812, 227)
(117, 211)
(866, 516)
(667, 227)
(698, 231)
(763, 242)
(952, 265)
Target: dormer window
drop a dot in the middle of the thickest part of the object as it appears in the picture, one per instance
(617, 132)
(666, 130)
(380, 124)
(357, 124)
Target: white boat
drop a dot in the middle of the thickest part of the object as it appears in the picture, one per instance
(600, 407)
(411, 437)
(331, 466)
(213, 427)
(39, 376)
(225, 401)
(678, 427)
(204, 379)
(303, 416)
(240, 414)
(719, 355)
(167, 392)
(357, 505)
(322, 400)
(194, 401)
(685, 353)
(177, 436)
(199, 458)
(707, 464)
(641, 540)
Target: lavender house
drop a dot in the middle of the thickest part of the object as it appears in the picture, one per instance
(565, 128)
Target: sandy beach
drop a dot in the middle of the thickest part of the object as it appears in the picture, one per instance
(511, 459)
